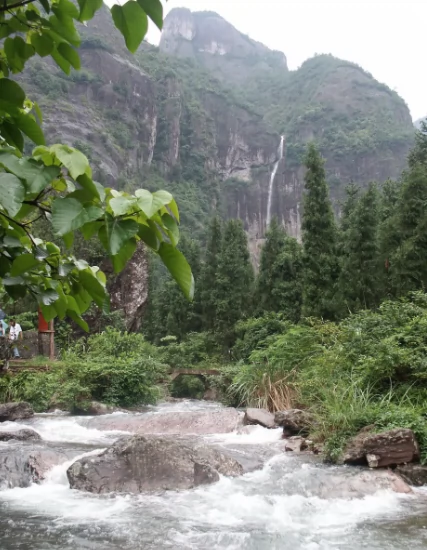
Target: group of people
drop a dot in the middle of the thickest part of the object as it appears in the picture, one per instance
(13, 332)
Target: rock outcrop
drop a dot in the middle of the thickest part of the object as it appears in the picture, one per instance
(296, 444)
(293, 421)
(15, 411)
(150, 463)
(390, 448)
(20, 435)
(203, 422)
(414, 474)
(261, 417)
(21, 466)
(93, 408)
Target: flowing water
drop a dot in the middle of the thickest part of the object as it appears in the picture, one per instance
(290, 502)
(272, 178)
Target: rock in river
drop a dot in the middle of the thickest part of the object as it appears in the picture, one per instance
(259, 416)
(414, 474)
(149, 463)
(294, 422)
(15, 411)
(389, 448)
(20, 435)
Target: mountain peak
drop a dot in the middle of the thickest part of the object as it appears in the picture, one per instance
(227, 52)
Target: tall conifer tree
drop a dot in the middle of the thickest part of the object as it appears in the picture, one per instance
(208, 278)
(319, 241)
(234, 281)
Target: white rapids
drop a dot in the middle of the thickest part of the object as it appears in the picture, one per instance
(283, 505)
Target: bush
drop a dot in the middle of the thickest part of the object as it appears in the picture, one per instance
(188, 386)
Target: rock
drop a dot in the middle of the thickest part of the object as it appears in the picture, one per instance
(201, 422)
(259, 416)
(94, 408)
(367, 482)
(15, 411)
(150, 463)
(21, 466)
(211, 394)
(390, 448)
(294, 421)
(296, 444)
(20, 435)
(414, 474)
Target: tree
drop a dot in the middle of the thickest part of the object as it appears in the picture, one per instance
(55, 182)
(208, 278)
(319, 240)
(279, 283)
(234, 281)
(361, 272)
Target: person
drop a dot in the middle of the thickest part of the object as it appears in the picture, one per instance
(15, 333)
(3, 327)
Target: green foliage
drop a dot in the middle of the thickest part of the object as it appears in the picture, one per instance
(208, 275)
(279, 281)
(320, 268)
(55, 183)
(188, 386)
(115, 368)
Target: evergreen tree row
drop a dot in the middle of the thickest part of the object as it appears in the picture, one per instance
(377, 250)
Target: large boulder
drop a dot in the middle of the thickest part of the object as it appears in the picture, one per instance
(15, 411)
(20, 435)
(259, 416)
(149, 463)
(389, 448)
(94, 408)
(296, 444)
(21, 466)
(294, 422)
(414, 474)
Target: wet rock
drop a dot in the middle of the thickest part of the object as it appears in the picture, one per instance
(414, 474)
(15, 411)
(20, 435)
(93, 408)
(390, 448)
(294, 422)
(296, 444)
(261, 417)
(211, 394)
(21, 466)
(201, 422)
(363, 483)
(149, 463)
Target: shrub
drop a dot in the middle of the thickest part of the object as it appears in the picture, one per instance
(188, 386)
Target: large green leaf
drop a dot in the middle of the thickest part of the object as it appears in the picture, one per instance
(154, 10)
(148, 202)
(122, 205)
(23, 263)
(12, 193)
(11, 93)
(132, 22)
(178, 267)
(61, 61)
(70, 54)
(17, 52)
(93, 286)
(65, 9)
(68, 215)
(65, 28)
(148, 236)
(42, 43)
(27, 124)
(88, 8)
(124, 255)
(116, 232)
(75, 161)
(11, 134)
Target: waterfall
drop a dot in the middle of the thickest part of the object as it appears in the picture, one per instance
(273, 175)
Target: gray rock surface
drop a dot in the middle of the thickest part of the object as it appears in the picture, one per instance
(259, 416)
(295, 444)
(294, 421)
(15, 411)
(414, 474)
(20, 435)
(150, 463)
(378, 450)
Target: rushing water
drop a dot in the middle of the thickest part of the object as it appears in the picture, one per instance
(272, 178)
(290, 503)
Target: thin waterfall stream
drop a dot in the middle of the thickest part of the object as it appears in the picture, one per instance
(273, 177)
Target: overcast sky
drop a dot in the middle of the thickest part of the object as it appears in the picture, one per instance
(387, 38)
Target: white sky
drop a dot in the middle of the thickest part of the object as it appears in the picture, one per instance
(386, 37)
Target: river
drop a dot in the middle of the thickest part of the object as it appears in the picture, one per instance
(291, 502)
